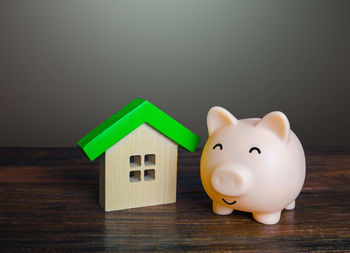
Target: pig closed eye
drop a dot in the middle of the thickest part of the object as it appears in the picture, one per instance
(218, 145)
(254, 148)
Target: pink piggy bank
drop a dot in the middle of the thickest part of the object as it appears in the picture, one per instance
(252, 165)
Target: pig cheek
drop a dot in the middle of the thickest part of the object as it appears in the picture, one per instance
(210, 158)
(209, 162)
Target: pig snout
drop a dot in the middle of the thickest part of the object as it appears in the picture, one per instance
(231, 180)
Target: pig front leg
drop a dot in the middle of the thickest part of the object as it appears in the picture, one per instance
(291, 206)
(267, 218)
(221, 209)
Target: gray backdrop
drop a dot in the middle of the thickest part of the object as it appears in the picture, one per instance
(67, 65)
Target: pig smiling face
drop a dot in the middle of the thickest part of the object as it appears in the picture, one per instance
(243, 163)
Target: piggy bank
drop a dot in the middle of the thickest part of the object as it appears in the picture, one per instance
(252, 165)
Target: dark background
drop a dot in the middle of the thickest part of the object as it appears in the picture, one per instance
(65, 66)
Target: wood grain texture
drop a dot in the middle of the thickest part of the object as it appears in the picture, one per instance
(49, 202)
(120, 193)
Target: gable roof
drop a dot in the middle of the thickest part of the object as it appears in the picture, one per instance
(129, 118)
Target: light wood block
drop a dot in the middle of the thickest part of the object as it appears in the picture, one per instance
(118, 191)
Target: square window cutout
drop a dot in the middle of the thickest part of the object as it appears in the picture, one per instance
(150, 159)
(135, 176)
(135, 160)
(150, 175)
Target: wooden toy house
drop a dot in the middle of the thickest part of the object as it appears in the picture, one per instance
(138, 150)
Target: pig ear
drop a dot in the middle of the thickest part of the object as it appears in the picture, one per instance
(278, 123)
(219, 117)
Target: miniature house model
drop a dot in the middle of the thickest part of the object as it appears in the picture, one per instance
(138, 151)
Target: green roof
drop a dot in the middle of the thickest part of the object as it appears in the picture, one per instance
(129, 118)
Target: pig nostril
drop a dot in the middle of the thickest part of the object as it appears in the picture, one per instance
(217, 181)
(222, 179)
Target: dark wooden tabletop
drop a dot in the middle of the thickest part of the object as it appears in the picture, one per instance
(49, 202)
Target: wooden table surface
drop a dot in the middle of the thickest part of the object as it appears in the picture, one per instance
(49, 202)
